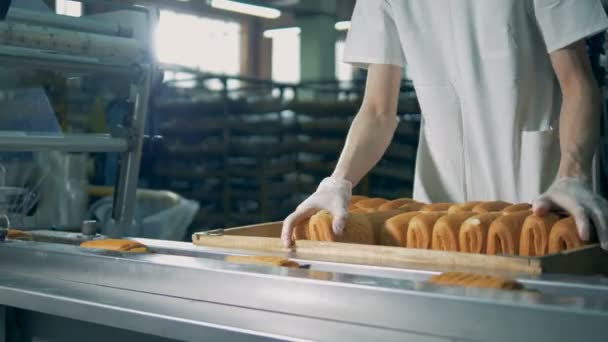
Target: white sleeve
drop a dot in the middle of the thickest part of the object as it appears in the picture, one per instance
(563, 22)
(373, 37)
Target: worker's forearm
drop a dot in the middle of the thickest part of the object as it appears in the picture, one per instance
(579, 130)
(368, 138)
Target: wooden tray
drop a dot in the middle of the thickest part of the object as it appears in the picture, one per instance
(590, 259)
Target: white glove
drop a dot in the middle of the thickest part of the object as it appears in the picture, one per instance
(333, 195)
(576, 197)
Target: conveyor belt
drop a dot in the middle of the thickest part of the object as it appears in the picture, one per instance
(327, 302)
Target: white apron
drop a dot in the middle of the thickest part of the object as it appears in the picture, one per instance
(489, 97)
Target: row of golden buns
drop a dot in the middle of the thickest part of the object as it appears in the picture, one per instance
(486, 227)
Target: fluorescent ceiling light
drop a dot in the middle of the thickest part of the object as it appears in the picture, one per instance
(342, 25)
(240, 7)
(282, 31)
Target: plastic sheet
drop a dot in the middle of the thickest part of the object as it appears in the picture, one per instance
(165, 216)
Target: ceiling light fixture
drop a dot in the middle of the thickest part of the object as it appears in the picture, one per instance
(281, 31)
(240, 7)
(342, 25)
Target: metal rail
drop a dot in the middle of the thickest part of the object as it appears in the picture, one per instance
(17, 141)
(20, 57)
(104, 47)
(81, 24)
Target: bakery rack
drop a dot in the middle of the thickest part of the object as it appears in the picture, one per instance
(266, 145)
(242, 133)
(115, 44)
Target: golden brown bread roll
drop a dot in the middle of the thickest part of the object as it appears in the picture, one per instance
(535, 234)
(378, 221)
(473, 233)
(394, 232)
(504, 233)
(413, 206)
(474, 280)
(357, 198)
(261, 260)
(513, 208)
(436, 207)
(486, 207)
(116, 245)
(300, 232)
(352, 205)
(395, 204)
(564, 236)
(15, 234)
(319, 232)
(460, 207)
(370, 204)
(420, 229)
(446, 230)
(357, 229)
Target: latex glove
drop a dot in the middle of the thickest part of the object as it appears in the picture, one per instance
(574, 196)
(333, 195)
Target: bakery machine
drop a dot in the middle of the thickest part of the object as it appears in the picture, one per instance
(117, 43)
(53, 290)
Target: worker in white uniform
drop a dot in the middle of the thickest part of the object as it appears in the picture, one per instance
(510, 107)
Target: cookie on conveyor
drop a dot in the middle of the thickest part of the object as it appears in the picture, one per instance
(474, 280)
(118, 245)
(263, 260)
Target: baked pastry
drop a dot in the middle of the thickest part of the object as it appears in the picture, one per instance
(446, 230)
(473, 233)
(300, 232)
(436, 207)
(513, 208)
(394, 231)
(357, 229)
(475, 280)
(116, 245)
(535, 234)
(370, 204)
(15, 234)
(486, 207)
(357, 198)
(354, 200)
(564, 236)
(261, 260)
(420, 229)
(504, 233)
(460, 207)
(395, 204)
(378, 221)
(412, 206)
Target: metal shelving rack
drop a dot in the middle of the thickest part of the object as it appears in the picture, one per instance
(112, 43)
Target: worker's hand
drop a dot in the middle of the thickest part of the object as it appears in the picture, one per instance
(574, 196)
(333, 195)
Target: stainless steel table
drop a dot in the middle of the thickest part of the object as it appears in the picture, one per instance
(182, 292)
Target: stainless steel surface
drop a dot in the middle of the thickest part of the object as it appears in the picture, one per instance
(380, 304)
(20, 141)
(82, 24)
(178, 318)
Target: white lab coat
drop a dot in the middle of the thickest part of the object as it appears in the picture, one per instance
(489, 96)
